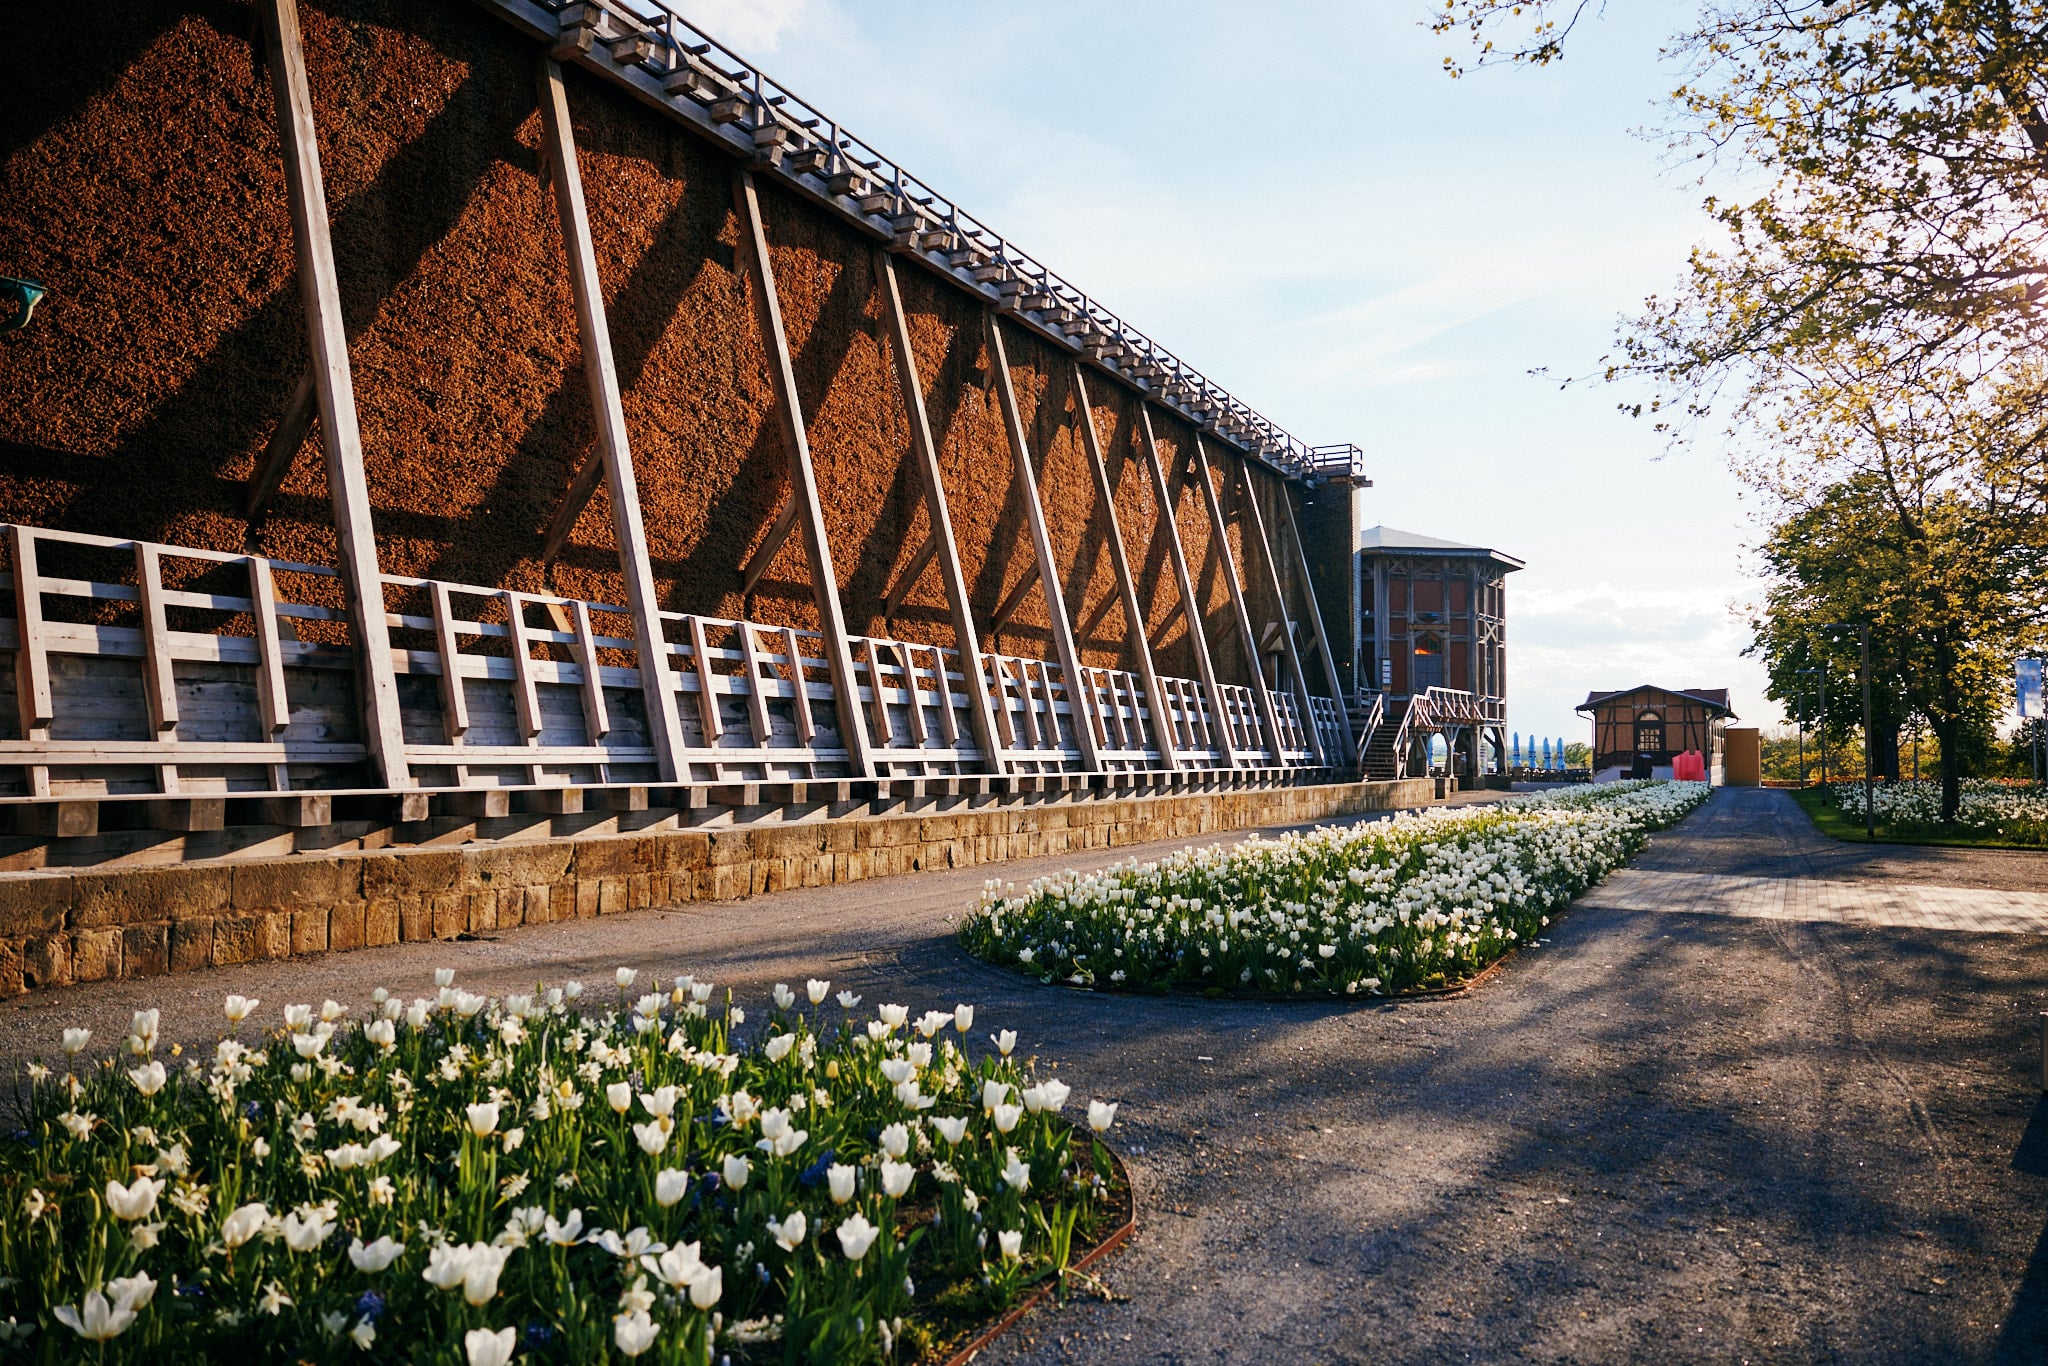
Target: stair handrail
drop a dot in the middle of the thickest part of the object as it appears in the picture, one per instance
(1374, 704)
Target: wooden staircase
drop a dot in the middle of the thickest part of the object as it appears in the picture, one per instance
(1379, 726)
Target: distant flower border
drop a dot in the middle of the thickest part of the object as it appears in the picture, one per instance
(535, 1177)
(1419, 903)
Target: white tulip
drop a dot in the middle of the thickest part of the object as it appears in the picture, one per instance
(567, 1233)
(952, 1128)
(895, 1140)
(486, 1348)
(661, 1102)
(856, 1236)
(847, 1000)
(816, 990)
(634, 1333)
(669, 1185)
(735, 1170)
(150, 1078)
(1017, 1173)
(993, 1093)
(444, 977)
(306, 1232)
(896, 1178)
(1055, 1093)
(298, 1017)
(777, 1048)
(75, 1041)
(839, 1177)
(1012, 1244)
(708, 1288)
(624, 977)
(1005, 1041)
(483, 1118)
(652, 1137)
(784, 997)
(1101, 1115)
(371, 1258)
(245, 1223)
(893, 1016)
(619, 1095)
(789, 1234)
(963, 1018)
(137, 1200)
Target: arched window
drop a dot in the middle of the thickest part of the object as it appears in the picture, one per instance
(1649, 733)
(1428, 668)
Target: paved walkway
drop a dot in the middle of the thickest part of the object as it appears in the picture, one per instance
(1667, 1133)
(1904, 904)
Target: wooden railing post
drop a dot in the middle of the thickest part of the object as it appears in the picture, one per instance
(614, 448)
(802, 476)
(981, 713)
(340, 438)
(1127, 589)
(1079, 699)
(1264, 545)
(1190, 606)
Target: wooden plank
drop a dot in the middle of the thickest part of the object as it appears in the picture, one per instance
(1007, 608)
(600, 373)
(1041, 538)
(907, 580)
(582, 485)
(272, 703)
(1315, 616)
(454, 705)
(919, 732)
(301, 811)
(771, 546)
(806, 725)
(31, 654)
(707, 696)
(878, 711)
(1034, 738)
(757, 693)
(597, 721)
(1119, 559)
(803, 478)
(1263, 699)
(1259, 541)
(286, 439)
(334, 388)
(1006, 724)
(1163, 496)
(159, 685)
(525, 691)
(949, 721)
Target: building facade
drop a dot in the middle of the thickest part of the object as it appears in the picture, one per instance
(1638, 731)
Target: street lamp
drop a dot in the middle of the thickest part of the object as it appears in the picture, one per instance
(1863, 643)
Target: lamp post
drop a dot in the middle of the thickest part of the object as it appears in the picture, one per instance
(1802, 724)
(1863, 644)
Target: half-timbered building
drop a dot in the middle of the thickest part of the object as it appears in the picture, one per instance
(1637, 732)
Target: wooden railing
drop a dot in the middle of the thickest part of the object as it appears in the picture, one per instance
(152, 669)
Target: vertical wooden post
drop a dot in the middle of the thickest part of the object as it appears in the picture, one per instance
(1315, 616)
(980, 713)
(1127, 589)
(272, 703)
(802, 477)
(614, 448)
(1220, 727)
(1079, 700)
(340, 439)
(1267, 711)
(454, 702)
(1264, 544)
(159, 689)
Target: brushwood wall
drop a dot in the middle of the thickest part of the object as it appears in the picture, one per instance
(144, 188)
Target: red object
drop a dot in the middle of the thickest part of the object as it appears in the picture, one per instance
(1689, 767)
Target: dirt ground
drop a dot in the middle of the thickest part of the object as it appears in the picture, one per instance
(1652, 1137)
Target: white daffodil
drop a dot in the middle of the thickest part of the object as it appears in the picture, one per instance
(566, 1233)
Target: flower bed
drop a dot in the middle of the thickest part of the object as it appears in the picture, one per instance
(1414, 903)
(463, 1179)
(2015, 812)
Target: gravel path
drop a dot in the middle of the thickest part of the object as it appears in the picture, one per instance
(1659, 1136)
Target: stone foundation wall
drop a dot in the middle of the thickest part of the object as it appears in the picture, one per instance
(57, 928)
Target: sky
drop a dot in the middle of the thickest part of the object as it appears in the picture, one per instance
(1297, 201)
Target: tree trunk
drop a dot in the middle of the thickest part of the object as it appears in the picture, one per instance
(1884, 754)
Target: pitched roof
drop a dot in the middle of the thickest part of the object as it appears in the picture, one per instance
(1390, 538)
(1717, 698)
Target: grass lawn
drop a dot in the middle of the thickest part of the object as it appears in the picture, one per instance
(1836, 823)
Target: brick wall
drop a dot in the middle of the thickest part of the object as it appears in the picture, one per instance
(60, 928)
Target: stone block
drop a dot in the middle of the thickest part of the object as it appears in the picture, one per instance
(274, 935)
(586, 900)
(294, 883)
(640, 891)
(525, 864)
(562, 901)
(479, 910)
(415, 918)
(380, 924)
(100, 900)
(192, 943)
(413, 872)
(728, 847)
(34, 903)
(12, 982)
(46, 961)
(345, 927)
(611, 896)
(95, 955)
(450, 916)
(239, 939)
(309, 929)
(146, 949)
(620, 856)
(537, 905)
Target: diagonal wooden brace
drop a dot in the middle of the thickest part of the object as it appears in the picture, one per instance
(906, 581)
(771, 546)
(286, 440)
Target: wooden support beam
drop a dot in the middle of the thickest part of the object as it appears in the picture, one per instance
(757, 696)
(187, 815)
(878, 710)
(1219, 727)
(287, 438)
(1315, 616)
(300, 811)
(1041, 543)
(907, 580)
(31, 654)
(1007, 608)
(1126, 585)
(803, 478)
(707, 700)
(58, 820)
(806, 726)
(614, 448)
(334, 388)
(159, 686)
(1268, 713)
(582, 485)
(771, 546)
(1257, 540)
(920, 734)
